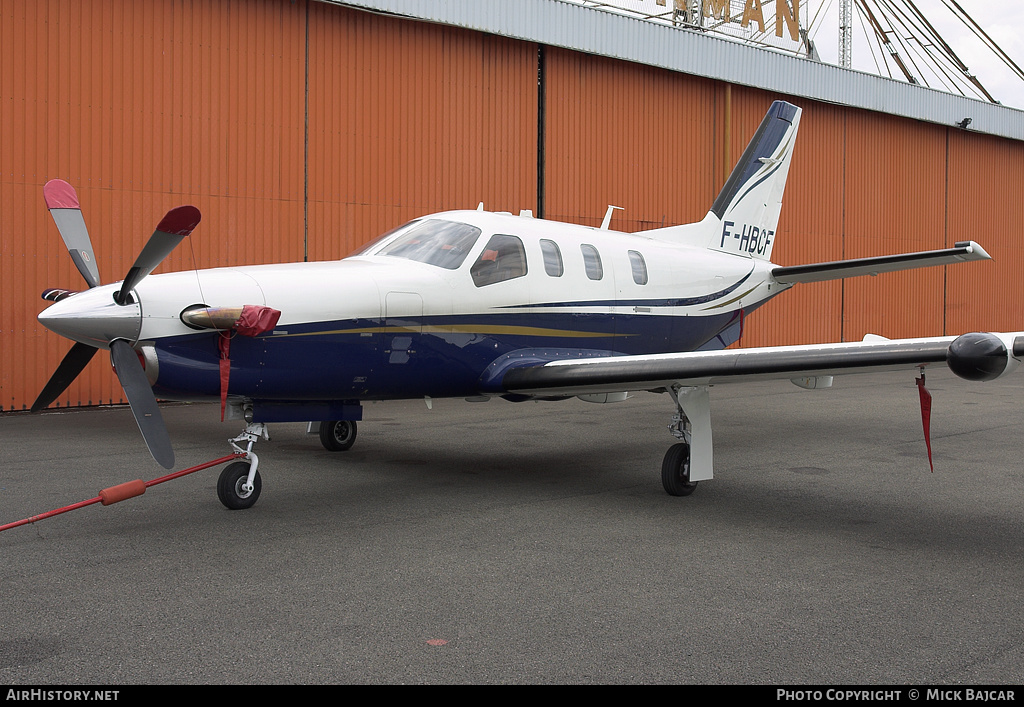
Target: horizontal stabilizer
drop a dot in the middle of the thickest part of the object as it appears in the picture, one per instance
(838, 269)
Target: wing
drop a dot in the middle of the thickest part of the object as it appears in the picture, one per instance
(975, 356)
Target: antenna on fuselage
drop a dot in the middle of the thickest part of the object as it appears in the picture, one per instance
(608, 216)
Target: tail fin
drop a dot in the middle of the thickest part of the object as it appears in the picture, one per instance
(745, 216)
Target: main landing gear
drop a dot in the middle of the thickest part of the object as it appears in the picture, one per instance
(337, 435)
(239, 484)
(675, 471)
(690, 460)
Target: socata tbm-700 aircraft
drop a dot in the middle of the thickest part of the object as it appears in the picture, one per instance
(476, 305)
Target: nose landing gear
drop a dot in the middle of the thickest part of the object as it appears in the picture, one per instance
(239, 484)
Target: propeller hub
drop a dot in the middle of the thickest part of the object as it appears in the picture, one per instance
(94, 318)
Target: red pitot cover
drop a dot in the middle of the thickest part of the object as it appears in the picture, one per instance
(256, 320)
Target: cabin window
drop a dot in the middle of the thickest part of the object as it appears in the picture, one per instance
(503, 258)
(639, 267)
(592, 262)
(552, 258)
(434, 242)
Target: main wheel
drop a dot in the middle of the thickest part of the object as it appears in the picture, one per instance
(675, 471)
(337, 435)
(229, 486)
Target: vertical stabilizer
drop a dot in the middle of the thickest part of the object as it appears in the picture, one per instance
(744, 218)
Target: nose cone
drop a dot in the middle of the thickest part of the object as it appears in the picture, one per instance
(92, 317)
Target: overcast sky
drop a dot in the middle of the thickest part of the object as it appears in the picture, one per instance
(1003, 21)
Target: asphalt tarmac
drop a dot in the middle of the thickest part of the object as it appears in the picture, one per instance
(531, 543)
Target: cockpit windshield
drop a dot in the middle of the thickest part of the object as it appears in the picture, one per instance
(434, 242)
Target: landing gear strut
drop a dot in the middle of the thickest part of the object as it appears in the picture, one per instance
(690, 460)
(239, 484)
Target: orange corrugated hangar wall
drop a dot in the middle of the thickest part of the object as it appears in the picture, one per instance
(302, 130)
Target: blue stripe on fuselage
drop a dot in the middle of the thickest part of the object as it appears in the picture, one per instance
(437, 356)
(664, 302)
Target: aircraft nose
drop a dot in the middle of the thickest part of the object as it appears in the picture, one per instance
(93, 318)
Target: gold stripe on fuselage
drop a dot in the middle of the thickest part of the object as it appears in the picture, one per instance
(465, 329)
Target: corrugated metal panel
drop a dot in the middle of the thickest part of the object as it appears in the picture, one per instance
(608, 34)
(142, 105)
(895, 186)
(409, 118)
(639, 138)
(810, 227)
(986, 181)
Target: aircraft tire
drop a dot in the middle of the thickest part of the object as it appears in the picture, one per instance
(337, 435)
(675, 471)
(229, 486)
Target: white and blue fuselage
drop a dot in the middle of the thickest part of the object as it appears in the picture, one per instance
(393, 323)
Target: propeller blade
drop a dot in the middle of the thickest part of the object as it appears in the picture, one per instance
(74, 361)
(62, 201)
(142, 401)
(177, 224)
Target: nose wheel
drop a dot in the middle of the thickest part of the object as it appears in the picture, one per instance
(234, 488)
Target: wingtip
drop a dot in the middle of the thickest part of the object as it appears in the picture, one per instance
(58, 194)
(980, 252)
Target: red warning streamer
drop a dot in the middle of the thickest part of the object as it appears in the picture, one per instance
(224, 347)
(926, 416)
(253, 321)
